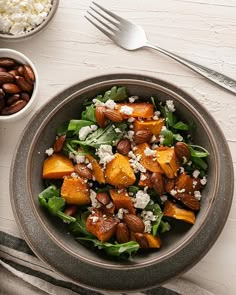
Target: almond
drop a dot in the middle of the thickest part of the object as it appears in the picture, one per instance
(134, 223)
(11, 88)
(122, 233)
(169, 184)
(20, 69)
(142, 136)
(103, 198)
(2, 94)
(59, 143)
(25, 96)
(23, 84)
(6, 78)
(124, 146)
(14, 73)
(113, 115)
(83, 171)
(182, 151)
(188, 200)
(2, 69)
(141, 239)
(100, 116)
(7, 62)
(14, 108)
(158, 183)
(13, 98)
(28, 74)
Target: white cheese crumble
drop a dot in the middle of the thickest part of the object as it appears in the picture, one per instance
(170, 106)
(141, 199)
(74, 175)
(178, 137)
(133, 98)
(203, 180)
(134, 162)
(126, 110)
(196, 173)
(181, 169)
(121, 212)
(147, 226)
(117, 130)
(20, 16)
(197, 195)
(86, 130)
(98, 103)
(148, 152)
(90, 166)
(131, 119)
(148, 215)
(163, 198)
(105, 154)
(173, 192)
(79, 159)
(94, 218)
(94, 201)
(49, 152)
(110, 104)
(143, 177)
(130, 135)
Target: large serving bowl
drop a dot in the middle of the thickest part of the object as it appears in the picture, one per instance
(48, 238)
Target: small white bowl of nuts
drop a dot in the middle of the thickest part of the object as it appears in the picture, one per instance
(18, 85)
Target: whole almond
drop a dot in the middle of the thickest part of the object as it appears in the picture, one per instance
(25, 96)
(142, 136)
(134, 223)
(83, 171)
(122, 233)
(14, 73)
(28, 74)
(2, 69)
(141, 239)
(59, 142)
(7, 62)
(11, 88)
(113, 115)
(23, 84)
(13, 98)
(71, 210)
(20, 69)
(124, 146)
(2, 93)
(188, 200)
(182, 151)
(103, 198)
(6, 78)
(157, 183)
(14, 108)
(100, 116)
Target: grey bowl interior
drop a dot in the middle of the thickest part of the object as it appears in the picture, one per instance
(182, 247)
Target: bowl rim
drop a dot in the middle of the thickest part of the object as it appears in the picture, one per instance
(112, 77)
(39, 28)
(32, 100)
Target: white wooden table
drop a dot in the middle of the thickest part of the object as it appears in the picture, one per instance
(71, 49)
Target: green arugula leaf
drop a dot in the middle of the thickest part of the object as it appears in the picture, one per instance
(62, 129)
(164, 226)
(181, 126)
(76, 125)
(199, 163)
(157, 212)
(115, 93)
(198, 151)
(89, 114)
(168, 137)
(170, 119)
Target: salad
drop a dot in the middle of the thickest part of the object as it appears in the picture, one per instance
(123, 174)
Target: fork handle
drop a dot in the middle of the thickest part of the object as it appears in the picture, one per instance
(210, 74)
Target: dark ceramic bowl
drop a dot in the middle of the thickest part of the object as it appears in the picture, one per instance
(181, 248)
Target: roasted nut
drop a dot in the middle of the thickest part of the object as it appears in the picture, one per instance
(11, 88)
(188, 200)
(71, 210)
(141, 239)
(169, 184)
(7, 62)
(182, 151)
(23, 84)
(100, 116)
(13, 98)
(103, 198)
(14, 108)
(14, 73)
(25, 96)
(6, 78)
(142, 136)
(113, 115)
(2, 69)
(83, 171)
(124, 146)
(20, 70)
(134, 223)
(28, 74)
(2, 94)
(122, 233)
(158, 183)
(59, 142)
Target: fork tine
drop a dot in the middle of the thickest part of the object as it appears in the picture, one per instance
(104, 16)
(107, 26)
(105, 32)
(115, 16)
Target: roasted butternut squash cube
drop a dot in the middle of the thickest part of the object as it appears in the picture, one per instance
(102, 226)
(138, 110)
(154, 126)
(153, 242)
(148, 162)
(167, 159)
(172, 210)
(119, 172)
(187, 183)
(121, 199)
(96, 169)
(75, 191)
(57, 166)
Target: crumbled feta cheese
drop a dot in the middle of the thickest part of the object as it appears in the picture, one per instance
(117, 130)
(126, 110)
(109, 206)
(94, 201)
(148, 215)
(121, 212)
(203, 180)
(173, 192)
(105, 154)
(133, 98)
(148, 152)
(163, 198)
(154, 146)
(181, 190)
(143, 177)
(86, 130)
(74, 175)
(196, 173)
(178, 137)
(90, 166)
(131, 119)
(161, 139)
(94, 218)
(79, 159)
(98, 103)
(94, 127)
(110, 104)
(131, 126)
(130, 135)
(163, 128)
(147, 226)
(189, 163)
(49, 152)
(170, 106)
(153, 139)
(181, 169)
(194, 183)
(197, 195)
(141, 199)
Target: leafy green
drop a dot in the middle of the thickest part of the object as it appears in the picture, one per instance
(115, 93)
(78, 228)
(50, 199)
(76, 125)
(198, 152)
(170, 119)
(181, 126)
(168, 137)
(199, 163)
(116, 249)
(89, 114)
(157, 212)
(133, 189)
(164, 226)
(62, 129)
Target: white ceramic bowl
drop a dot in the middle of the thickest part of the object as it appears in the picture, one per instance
(21, 58)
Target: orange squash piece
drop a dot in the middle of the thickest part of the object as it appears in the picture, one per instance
(119, 172)
(121, 199)
(154, 126)
(153, 242)
(172, 210)
(148, 162)
(103, 227)
(57, 166)
(167, 159)
(96, 169)
(75, 191)
(140, 110)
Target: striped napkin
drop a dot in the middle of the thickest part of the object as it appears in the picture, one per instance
(22, 273)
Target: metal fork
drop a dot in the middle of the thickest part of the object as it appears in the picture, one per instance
(132, 37)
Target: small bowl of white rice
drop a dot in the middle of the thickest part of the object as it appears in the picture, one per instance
(21, 19)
